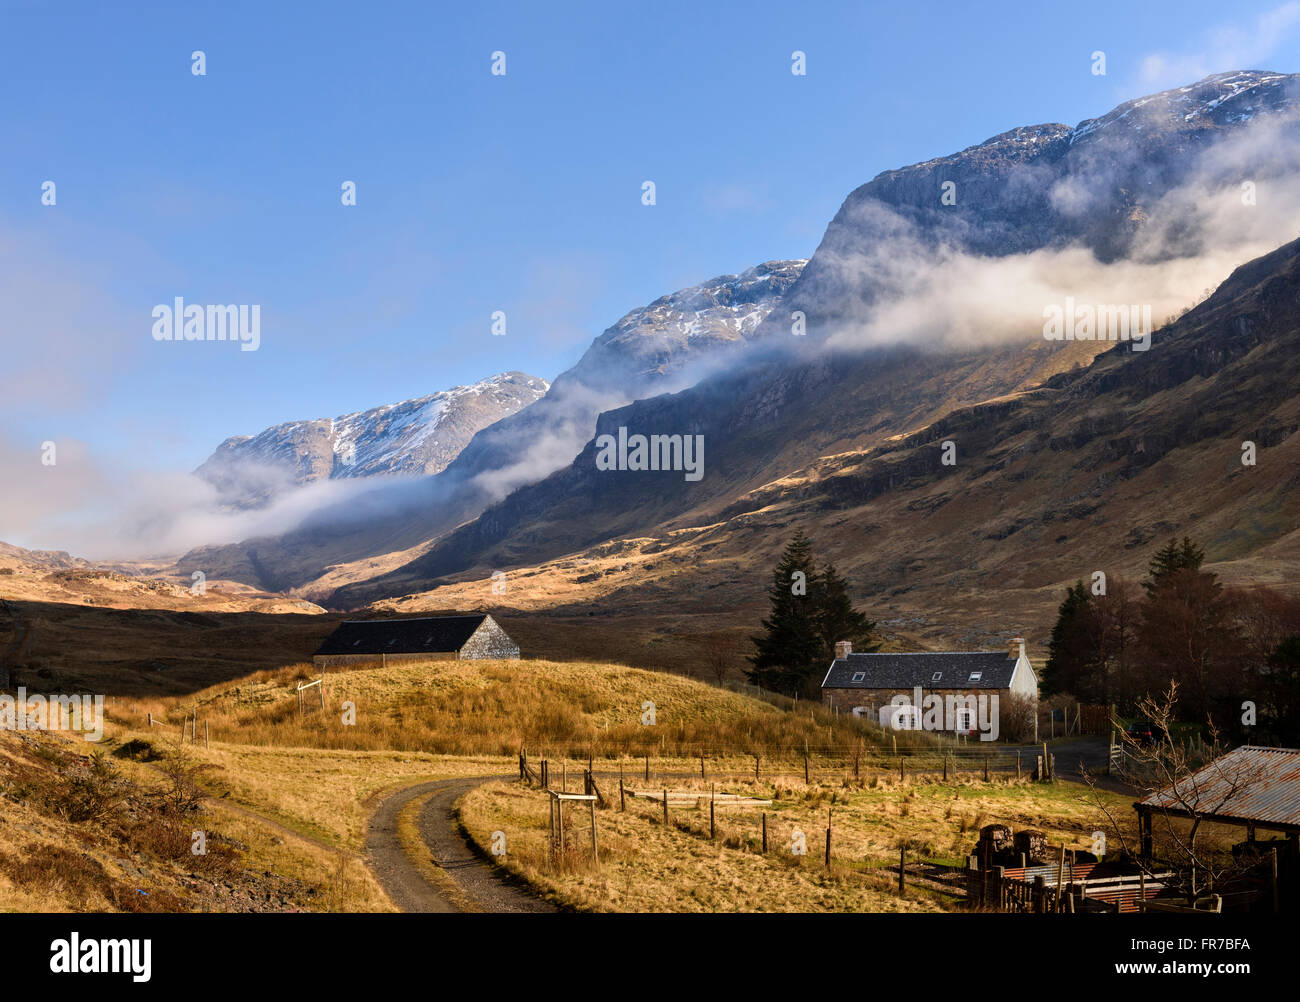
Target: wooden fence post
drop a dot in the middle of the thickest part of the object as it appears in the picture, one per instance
(902, 870)
(665, 808)
(828, 839)
(712, 830)
(1060, 877)
(765, 832)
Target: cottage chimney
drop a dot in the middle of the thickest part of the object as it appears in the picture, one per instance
(843, 649)
(1017, 648)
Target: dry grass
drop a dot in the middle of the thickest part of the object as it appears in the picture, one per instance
(649, 867)
(577, 709)
(114, 832)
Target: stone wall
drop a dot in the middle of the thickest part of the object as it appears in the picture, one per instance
(490, 643)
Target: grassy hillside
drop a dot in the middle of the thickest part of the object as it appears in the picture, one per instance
(112, 828)
(552, 708)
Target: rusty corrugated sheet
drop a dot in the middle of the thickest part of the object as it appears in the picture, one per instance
(1247, 784)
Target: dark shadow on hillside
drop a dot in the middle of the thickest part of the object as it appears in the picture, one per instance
(62, 648)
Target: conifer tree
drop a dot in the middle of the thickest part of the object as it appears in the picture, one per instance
(791, 640)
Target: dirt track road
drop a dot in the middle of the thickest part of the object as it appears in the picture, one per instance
(483, 884)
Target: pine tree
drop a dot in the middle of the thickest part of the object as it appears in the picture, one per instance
(791, 643)
(811, 612)
(1068, 648)
(1172, 558)
(838, 620)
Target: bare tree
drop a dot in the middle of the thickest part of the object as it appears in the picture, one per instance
(1188, 785)
(719, 655)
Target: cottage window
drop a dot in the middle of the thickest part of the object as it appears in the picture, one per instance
(975, 676)
(858, 676)
(937, 675)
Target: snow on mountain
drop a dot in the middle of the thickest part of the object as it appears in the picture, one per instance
(419, 436)
(657, 340)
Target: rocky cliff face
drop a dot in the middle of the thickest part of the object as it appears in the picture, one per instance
(419, 436)
(1096, 185)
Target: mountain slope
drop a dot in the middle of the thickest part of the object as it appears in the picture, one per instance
(1088, 472)
(1113, 188)
(664, 345)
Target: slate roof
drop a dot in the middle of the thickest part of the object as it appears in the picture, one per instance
(905, 671)
(1251, 783)
(430, 635)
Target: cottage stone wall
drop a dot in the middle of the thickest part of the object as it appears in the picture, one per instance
(846, 700)
(490, 643)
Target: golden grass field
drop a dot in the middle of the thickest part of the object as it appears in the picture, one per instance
(646, 866)
(296, 791)
(495, 708)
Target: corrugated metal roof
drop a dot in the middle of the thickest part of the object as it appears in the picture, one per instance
(1247, 784)
(929, 670)
(428, 635)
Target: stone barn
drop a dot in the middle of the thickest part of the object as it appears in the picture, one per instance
(436, 638)
(941, 691)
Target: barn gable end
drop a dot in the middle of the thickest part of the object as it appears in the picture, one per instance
(433, 638)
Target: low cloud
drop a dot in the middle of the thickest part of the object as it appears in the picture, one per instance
(106, 514)
(1241, 201)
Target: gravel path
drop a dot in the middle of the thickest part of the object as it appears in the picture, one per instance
(485, 885)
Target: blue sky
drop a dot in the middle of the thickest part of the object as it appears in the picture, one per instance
(475, 193)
